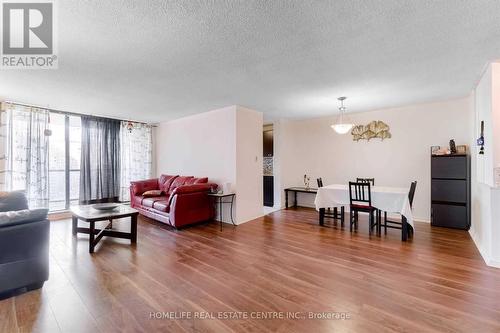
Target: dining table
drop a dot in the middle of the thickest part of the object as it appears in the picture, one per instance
(383, 198)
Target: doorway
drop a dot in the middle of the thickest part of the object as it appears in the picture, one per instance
(268, 165)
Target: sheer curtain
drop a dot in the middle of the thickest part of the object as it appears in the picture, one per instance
(24, 162)
(100, 159)
(136, 155)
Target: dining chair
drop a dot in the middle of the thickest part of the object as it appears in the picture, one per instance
(388, 223)
(360, 199)
(366, 180)
(379, 212)
(335, 215)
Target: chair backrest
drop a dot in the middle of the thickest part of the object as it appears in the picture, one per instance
(411, 194)
(366, 180)
(360, 192)
(320, 182)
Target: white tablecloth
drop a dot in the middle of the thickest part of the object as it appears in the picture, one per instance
(388, 199)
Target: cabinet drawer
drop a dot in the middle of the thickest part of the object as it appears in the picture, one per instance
(449, 190)
(454, 167)
(449, 216)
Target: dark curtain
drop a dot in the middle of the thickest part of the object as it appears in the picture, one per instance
(100, 160)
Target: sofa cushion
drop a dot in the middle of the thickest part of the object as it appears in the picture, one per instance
(22, 216)
(165, 181)
(195, 180)
(361, 206)
(152, 193)
(148, 202)
(162, 206)
(10, 201)
(179, 181)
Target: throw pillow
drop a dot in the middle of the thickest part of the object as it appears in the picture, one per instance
(152, 193)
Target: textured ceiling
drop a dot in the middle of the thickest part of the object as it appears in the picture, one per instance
(159, 60)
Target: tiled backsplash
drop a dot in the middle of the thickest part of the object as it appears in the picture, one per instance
(268, 166)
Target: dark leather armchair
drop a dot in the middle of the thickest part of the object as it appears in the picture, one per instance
(24, 245)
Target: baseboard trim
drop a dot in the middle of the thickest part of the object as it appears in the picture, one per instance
(486, 257)
(59, 215)
(241, 222)
(493, 263)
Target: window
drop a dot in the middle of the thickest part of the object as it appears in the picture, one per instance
(75, 149)
(57, 153)
(24, 162)
(64, 161)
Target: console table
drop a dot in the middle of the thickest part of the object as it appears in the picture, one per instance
(296, 190)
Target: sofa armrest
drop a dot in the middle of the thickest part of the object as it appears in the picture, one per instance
(141, 186)
(24, 241)
(189, 208)
(194, 188)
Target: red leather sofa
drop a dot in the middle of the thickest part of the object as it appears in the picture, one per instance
(184, 199)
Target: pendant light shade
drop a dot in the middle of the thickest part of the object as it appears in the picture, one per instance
(342, 124)
(342, 128)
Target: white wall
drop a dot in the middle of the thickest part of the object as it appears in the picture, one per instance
(483, 112)
(485, 224)
(494, 259)
(280, 156)
(216, 144)
(249, 160)
(311, 147)
(200, 145)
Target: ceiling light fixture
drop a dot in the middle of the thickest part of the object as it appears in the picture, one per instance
(342, 124)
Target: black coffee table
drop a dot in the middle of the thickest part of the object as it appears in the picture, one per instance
(91, 215)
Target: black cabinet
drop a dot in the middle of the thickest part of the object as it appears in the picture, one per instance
(268, 191)
(450, 191)
(450, 166)
(268, 143)
(451, 216)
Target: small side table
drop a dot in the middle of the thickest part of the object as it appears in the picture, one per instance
(223, 198)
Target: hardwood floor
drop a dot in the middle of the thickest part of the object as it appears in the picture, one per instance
(283, 262)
